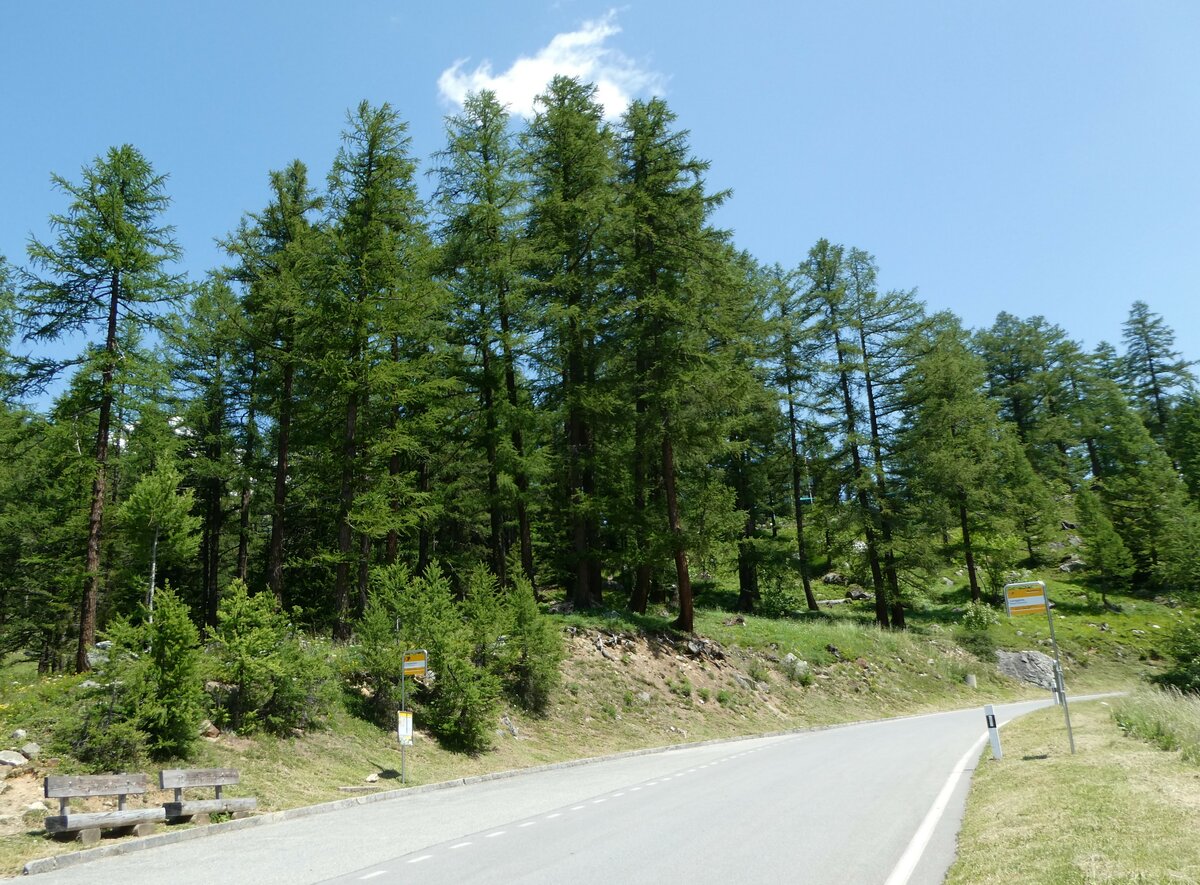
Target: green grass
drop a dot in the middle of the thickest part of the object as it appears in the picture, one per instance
(1119, 810)
(1168, 719)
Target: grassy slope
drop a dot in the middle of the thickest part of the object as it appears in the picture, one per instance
(629, 683)
(1119, 810)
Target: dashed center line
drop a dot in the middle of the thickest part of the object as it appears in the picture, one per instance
(634, 789)
(577, 808)
(494, 835)
(372, 875)
(459, 845)
(617, 795)
(553, 816)
(421, 858)
(529, 823)
(597, 801)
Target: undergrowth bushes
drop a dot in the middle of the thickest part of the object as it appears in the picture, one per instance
(263, 675)
(491, 642)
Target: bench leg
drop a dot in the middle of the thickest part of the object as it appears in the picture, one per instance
(86, 837)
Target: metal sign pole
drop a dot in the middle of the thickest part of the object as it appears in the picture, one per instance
(1058, 676)
(1030, 598)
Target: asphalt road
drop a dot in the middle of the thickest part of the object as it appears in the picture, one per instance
(841, 805)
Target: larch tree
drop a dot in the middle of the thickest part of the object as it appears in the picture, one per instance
(664, 250)
(273, 254)
(795, 358)
(109, 261)
(375, 303)
(1155, 373)
(953, 444)
(572, 167)
(482, 196)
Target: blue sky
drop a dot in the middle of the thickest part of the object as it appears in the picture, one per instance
(1039, 158)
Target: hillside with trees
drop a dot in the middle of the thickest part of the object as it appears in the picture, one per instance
(390, 421)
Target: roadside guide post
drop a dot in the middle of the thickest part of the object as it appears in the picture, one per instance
(993, 732)
(1029, 598)
(416, 664)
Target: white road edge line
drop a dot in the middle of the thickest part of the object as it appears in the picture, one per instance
(920, 840)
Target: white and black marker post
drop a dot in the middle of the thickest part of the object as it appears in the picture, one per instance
(993, 732)
(1029, 598)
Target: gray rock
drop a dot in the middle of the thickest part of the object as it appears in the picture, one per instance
(20, 734)
(857, 593)
(834, 578)
(208, 730)
(31, 750)
(1028, 666)
(644, 697)
(1071, 564)
(12, 758)
(372, 777)
(507, 722)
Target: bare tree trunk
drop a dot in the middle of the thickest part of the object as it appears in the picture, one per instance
(518, 442)
(341, 587)
(275, 553)
(686, 619)
(968, 552)
(91, 585)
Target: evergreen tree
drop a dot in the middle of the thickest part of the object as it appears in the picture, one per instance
(376, 306)
(1154, 370)
(482, 195)
(663, 250)
(108, 262)
(274, 252)
(954, 443)
(570, 152)
(1103, 549)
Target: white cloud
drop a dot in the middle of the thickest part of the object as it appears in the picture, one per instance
(580, 53)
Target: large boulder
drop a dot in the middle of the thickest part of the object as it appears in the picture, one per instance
(12, 758)
(1028, 666)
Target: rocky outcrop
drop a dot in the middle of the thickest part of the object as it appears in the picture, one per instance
(1028, 666)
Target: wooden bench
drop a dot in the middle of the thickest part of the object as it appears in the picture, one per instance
(198, 810)
(86, 825)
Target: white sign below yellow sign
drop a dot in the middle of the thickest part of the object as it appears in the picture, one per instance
(404, 727)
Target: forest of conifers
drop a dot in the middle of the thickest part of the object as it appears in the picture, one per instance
(555, 366)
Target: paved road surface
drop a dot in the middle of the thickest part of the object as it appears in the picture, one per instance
(835, 806)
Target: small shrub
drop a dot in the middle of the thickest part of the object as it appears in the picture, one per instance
(275, 683)
(760, 673)
(537, 650)
(102, 744)
(725, 698)
(681, 687)
(1184, 649)
(978, 616)
(704, 694)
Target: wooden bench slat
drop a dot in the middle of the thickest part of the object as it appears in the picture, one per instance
(69, 786)
(209, 806)
(104, 820)
(183, 778)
